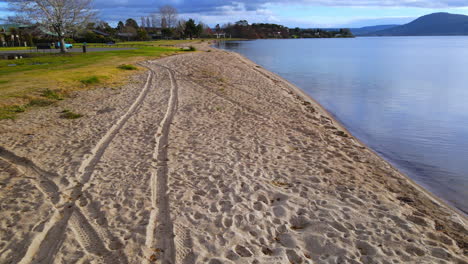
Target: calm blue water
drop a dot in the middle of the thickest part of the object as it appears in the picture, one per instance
(406, 98)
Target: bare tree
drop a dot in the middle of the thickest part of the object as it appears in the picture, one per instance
(164, 23)
(154, 21)
(180, 28)
(169, 15)
(60, 16)
(148, 23)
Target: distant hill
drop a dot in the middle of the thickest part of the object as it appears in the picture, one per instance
(437, 24)
(364, 30)
(369, 30)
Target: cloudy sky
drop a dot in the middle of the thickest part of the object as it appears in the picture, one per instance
(292, 13)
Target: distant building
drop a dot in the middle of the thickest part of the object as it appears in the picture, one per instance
(220, 35)
(14, 35)
(101, 33)
(10, 34)
(154, 32)
(126, 35)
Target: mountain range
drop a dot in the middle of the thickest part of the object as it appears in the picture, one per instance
(437, 24)
(369, 30)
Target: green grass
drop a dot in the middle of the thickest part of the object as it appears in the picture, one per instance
(22, 81)
(10, 112)
(48, 97)
(127, 67)
(67, 114)
(66, 72)
(7, 113)
(54, 95)
(40, 102)
(59, 62)
(90, 80)
(18, 108)
(14, 48)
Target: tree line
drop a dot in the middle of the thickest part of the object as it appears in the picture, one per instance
(75, 20)
(242, 29)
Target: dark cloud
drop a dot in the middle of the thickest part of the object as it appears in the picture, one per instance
(115, 10)
(119, 9)
(198, 6)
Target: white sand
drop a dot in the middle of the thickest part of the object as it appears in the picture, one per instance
(207, 158)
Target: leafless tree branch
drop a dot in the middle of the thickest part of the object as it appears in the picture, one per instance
(63, 17)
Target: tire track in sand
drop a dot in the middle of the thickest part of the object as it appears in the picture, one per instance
(45, 245)
(42, 181)
(159, 244)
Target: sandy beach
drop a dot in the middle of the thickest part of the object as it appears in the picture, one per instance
(208, 158)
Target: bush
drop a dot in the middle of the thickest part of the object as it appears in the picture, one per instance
(127, 67)
(90, 80)
(192, 48)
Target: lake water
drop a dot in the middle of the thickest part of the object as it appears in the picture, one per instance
(405, 97)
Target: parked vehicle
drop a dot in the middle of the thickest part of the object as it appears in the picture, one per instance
(44, 46)
(67, 45)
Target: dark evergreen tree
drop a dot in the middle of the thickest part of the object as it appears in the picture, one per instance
(190, 28)
(120, 26)
(131, 23)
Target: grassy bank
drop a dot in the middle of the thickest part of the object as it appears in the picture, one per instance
(13, 48)
(23, 82)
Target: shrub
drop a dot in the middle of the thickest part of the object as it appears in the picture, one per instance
(127, 67)
(90, 80)
(192, 48)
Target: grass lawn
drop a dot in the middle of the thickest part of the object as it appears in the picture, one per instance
(28, 80)
(13, 48)
(156, 43)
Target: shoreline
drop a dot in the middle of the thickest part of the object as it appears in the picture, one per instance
(463, 216)
(238, 164)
